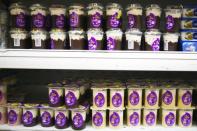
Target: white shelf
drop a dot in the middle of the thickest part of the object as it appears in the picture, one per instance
(98, 60)
(89, 128)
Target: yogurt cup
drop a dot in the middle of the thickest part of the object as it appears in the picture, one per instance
(30, 115)
(46, 116)
(152, 40)
(99, 97)
(114, 39)
(151, 98)
(149, 117)
(14, 115)
(171, 41)
(3, 94)
(113, 15)
(99, 118)
(185, 117)
(133, 39)
(134, 16)
(133, 117)
(185, 97)
(61, 117)
(3, 114)
(168, 97)
(95, 15)
(169, 117)
(95, 39)
(56, 94)
(58, 39)
(116, 118)
(153, 15)
(117, 98)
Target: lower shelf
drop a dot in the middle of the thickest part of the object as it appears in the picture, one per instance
(89, 128)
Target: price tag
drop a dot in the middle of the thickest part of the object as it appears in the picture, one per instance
(17, 42)
(37, 42)
(130, 44)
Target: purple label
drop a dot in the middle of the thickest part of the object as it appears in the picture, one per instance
(99, 100)
(117, 100)
(0, 116)
(12, 117)
(170, 119)
(134, 98)
(152, 98)
(151, 21)
(20, 20)
(114, 21)
(150, 119)
(78, 120)
(74, 19)
(27, 118)
(38, 20)
(46, 118)
(96, 20)
(110, 43)
(134, 119)
(60, 119)
(92, 44)
(170, 22)
(1, 95)
(54, 97)
(114, 119)
(156, 45)
(60, 21)
(186, 119)
(131, 21)
(98, 119)
(70, 99)
(167, 97)
(187, 98)
(194, 23)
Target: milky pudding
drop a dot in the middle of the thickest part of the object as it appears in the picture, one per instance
(152, 40)
(169, 117)
(57, 39)
(149, 117)
(14, 111)
(171, 41)
(133, 39)
(114, 39)
(134, 16)
(153, 15)
(99, 118)
(39, 39)
(61, 117)
(58, 16)
(77, 40)
(95, 15)
(46, 116)
(113, 16)
(133, 117)
(116, 118)
(95, 39)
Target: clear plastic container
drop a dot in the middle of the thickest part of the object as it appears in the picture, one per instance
(114, 39)
(58, 39)
(133, 39)
(39, 39)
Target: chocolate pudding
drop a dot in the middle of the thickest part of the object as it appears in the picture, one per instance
(133, 39)
(58, 39)
(172, 21)
(152, 40)
(58, 16)
(77, 40)
(18, 15)
(171, 41)
(134, 16)
(76, 16)
(153, 15)
(95, 39)
(61, 118)
(95, 15)
(18, 39)
(114, 15)
(114, 39)
(39, 39)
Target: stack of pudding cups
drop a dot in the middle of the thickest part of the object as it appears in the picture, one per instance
(114, 23)
(57, 33)
(134, 25)
(134, 104)
(151, 105)
(39, 35)
(172, 28)
(76, 22)
(18, 31)
(152, 34)
(95, 33)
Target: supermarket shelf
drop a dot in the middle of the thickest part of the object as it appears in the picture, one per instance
(98, 60)
(89, 128)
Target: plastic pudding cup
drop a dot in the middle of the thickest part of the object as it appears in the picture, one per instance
(46, 116)
(3, 114)
(150, 117)
(39, 39)
(169, 117)
(133, 38)
(185, 117)
(151, 98)
(117, 98)
(171, 41)
(114, 39)
(99, 118)
(185, 97)
(133, 117)
(58, 39)
(99, 97)
(61, 117)
(116, 118)
(168, 97)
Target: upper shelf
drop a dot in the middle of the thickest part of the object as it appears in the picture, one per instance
(98, 60)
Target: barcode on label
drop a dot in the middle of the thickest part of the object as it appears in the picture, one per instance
(130, 44)
(16, 42)
(37, 42)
